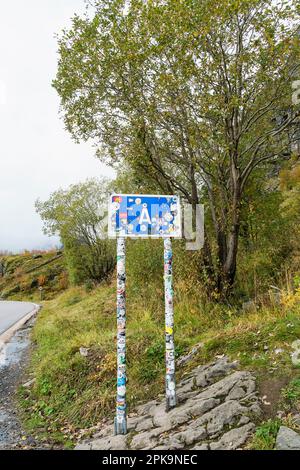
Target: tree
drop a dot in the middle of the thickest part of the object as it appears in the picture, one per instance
(77, 215)
(192, 95)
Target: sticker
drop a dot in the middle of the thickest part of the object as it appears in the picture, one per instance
(122, 391)
(121, 381)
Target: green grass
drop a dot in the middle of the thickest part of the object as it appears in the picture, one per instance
(265, 435)
(291, 395)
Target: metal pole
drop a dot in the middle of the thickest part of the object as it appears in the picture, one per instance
(169, 319)
(121, 419)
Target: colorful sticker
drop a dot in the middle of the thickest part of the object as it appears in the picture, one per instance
(144, 216)
(120, 423)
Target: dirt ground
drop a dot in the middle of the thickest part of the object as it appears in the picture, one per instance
(270, 390)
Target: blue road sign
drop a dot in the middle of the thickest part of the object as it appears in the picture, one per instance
(144, 216)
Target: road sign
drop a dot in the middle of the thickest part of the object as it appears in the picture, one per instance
(144, 216)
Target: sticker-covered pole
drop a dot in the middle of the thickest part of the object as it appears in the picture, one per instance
(169, 319)
(121, 419)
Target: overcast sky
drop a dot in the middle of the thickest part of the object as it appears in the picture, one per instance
(37, 156)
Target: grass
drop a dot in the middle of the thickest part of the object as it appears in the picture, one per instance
(291, 395)
(73, 392)
(265, 435)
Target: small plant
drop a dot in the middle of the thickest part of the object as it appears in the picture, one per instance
(63, 281)
(45, 387)
(156, 352)
(265, 435)
(89, 285)
(41, 280)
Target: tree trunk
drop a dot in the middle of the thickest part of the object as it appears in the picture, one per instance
(229, 266)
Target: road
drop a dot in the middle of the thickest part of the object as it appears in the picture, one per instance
(12, 312)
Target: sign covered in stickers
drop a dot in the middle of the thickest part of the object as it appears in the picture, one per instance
(144, 216)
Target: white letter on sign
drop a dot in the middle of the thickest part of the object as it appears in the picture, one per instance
(145, 217)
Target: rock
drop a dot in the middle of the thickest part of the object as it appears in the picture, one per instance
(186, 387)
(110, 443)
(214, 405)
(160, 417)
(243, 420)
(220, 368)
(83, 447)
(179, 417)
(133, 421)
(255, 409)
(205, 375)
(287, 439)
(224, 386)
(190, 436)
(84, 352)
(107, 431)
(144, 425)
(146, 408)
(278, 351)
(296, 419)
(236, 393)
(201, 447)
(222, 416)
(183, 396)
(172, 443)
(199, 407)
(233, 439)
(29, 383)
(185, 359)
(160, 448)
(146, 440)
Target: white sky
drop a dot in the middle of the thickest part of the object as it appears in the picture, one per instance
(37, 156)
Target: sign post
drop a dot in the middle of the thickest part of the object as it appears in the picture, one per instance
(143, 216)
(120, 419)
(169, 320)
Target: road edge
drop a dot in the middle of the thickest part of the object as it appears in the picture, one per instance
(7, 335)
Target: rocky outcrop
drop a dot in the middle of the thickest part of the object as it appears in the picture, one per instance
(216, 406)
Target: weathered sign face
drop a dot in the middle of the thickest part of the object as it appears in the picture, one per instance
(144, 216)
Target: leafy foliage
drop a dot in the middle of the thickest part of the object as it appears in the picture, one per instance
(193, 97)
(77, 215)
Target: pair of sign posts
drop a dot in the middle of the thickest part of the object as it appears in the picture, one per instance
(143, 216)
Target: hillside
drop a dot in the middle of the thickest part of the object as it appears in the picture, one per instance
(74, 359)
(22, 275)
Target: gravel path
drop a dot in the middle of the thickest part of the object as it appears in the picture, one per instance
(13, 361)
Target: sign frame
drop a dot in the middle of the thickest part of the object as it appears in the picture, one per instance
(160, 221)
(113, 235)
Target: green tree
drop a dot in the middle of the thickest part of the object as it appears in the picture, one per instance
(193, 95)
(77, 215)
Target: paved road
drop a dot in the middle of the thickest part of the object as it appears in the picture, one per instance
(11, 312)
